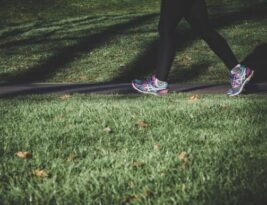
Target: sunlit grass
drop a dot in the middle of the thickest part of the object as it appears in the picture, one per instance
(223, 140)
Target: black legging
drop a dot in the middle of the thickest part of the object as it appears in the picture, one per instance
(195, 12)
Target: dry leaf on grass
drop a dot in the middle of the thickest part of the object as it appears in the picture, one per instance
(40, 173)
(157, 147)
(193, 98)
(24, 155)
(64, 97)
(108, 130)
(142, 124)
(183, 157)
(71, 158)
(138, 164)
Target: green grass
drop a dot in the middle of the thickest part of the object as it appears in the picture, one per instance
(224, 138)
(94, 41)
(118, 45)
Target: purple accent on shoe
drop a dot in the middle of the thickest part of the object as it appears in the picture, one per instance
(235, 80)
(150, 80)
(248, 71)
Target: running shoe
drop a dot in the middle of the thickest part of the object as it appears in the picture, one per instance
(239, 77)
(151, 86)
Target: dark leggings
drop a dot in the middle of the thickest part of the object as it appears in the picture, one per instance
(195, 12)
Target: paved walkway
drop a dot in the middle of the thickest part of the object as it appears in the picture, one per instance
(121, 88)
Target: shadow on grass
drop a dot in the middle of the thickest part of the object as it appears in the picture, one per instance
(14, 32)
(43, 38)
(67, 54)
(144, 64)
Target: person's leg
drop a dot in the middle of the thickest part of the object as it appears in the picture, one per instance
(171, 13)
(197, 16)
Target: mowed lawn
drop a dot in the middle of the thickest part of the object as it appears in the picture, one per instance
(127, 149)
(134, 149)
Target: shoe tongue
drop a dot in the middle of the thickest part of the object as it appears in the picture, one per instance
(155, 81)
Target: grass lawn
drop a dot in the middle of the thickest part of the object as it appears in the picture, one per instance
(127, 149)
(169, 150)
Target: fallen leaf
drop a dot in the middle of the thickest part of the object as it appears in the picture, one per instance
(40, 173)
(142, 124)
(71, 158)
(64, 97)
(138, 164)
(157, 147)
(194, 98)
(24, 155)
(129, 199)
(183, 157)
(108, 130)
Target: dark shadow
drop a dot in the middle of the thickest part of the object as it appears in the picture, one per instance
(257, 60)
(45, 36)
(185, 75)
(36, 39)
(67, 54)
(144, 63)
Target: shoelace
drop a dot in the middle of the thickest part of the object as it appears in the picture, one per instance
(148, 80)
(236, 80)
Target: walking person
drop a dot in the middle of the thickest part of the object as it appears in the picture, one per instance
(196, 14)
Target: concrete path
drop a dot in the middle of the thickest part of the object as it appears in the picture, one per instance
(121, 88)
